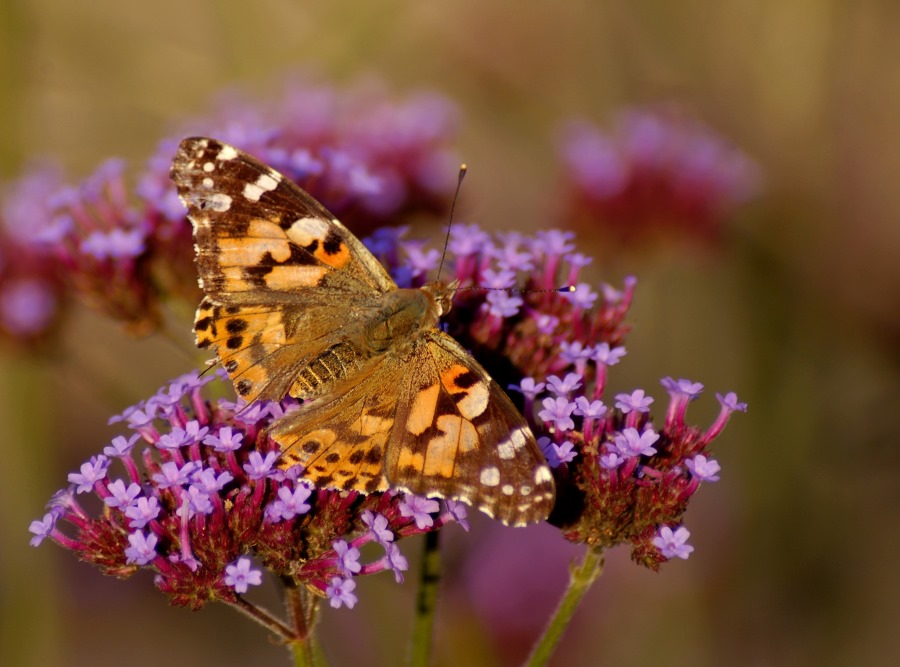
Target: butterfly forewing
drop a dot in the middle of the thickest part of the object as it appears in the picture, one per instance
(290, 295)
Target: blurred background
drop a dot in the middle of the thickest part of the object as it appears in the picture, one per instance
(791, 301)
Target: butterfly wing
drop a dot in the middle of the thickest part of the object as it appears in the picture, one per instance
(461, 437)
(275, 266)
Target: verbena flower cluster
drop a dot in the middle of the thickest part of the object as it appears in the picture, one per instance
(125, 250)
(657, 171)
(195, 487)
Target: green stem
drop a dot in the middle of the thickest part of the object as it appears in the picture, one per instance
(581, 576)
(303, 609)
(426, 602)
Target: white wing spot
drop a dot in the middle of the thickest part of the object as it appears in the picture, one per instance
(542, 474)
(208, 166)
(227, 153)
(505, 450)
(219, 202)
(525, 490)
(207, 182)
(518, 437)
(265, 183)
(507, 489)
(306, 230)
(490, 476)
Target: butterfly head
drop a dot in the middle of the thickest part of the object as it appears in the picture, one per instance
(443, 294)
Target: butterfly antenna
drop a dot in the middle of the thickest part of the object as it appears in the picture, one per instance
(462, 174)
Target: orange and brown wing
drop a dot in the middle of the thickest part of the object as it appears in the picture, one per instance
(281, 274)
(457, 435)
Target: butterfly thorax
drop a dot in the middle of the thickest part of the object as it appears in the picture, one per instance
(404, 315)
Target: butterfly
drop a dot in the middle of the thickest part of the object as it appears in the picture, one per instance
(295, 305)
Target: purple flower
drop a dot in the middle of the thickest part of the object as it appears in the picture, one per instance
(594, 162)
(564, 387)
(554, 242)
(171, 474)
(730, 402)
(706, 470)
(468, 240)
(340, 593)
(558, 411)
(611, 460)
(27, 306)
(396, 561)
(459, 512)
(636, 401)
(602, 354)
(91, 472)
(42, 529)
(420, 509)
(228, 440)
(377, 524)
(258, 467)
(175, 439)
(528, 387)
(556, 454)
(195, 501)
(589, 409)
(574, 351)
(208, 482)
(509, 256)
(421, 261)
(631, 443)
(499, 280)
(121, 497)
(290, 503)
(120, 447)
(673, 544)
(503, 304)
(546, 324)
(347, 556)
(142, 512)
(141, 549)
(116, 243)
(582, 297)
(240, 575)
(682, 387)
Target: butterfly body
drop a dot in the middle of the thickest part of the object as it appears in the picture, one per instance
(296, 306)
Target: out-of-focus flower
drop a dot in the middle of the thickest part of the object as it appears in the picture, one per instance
(366, 154)
(32, 291)
(656, 171)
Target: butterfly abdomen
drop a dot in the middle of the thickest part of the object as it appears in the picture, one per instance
(335, 364)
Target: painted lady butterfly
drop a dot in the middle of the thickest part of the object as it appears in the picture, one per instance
(296, 305)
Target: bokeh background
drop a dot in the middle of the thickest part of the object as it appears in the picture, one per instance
(794, 306)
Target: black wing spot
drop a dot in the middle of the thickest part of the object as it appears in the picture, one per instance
(465, 380)
(356, 456)
(311, 446)
(234, 342)
(333, 244)
(203, 324)
(334, 457)
(236, 326)
(231, 365)
(243, 387)
(373, 455)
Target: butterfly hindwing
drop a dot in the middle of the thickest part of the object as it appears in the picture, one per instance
(461, 437)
